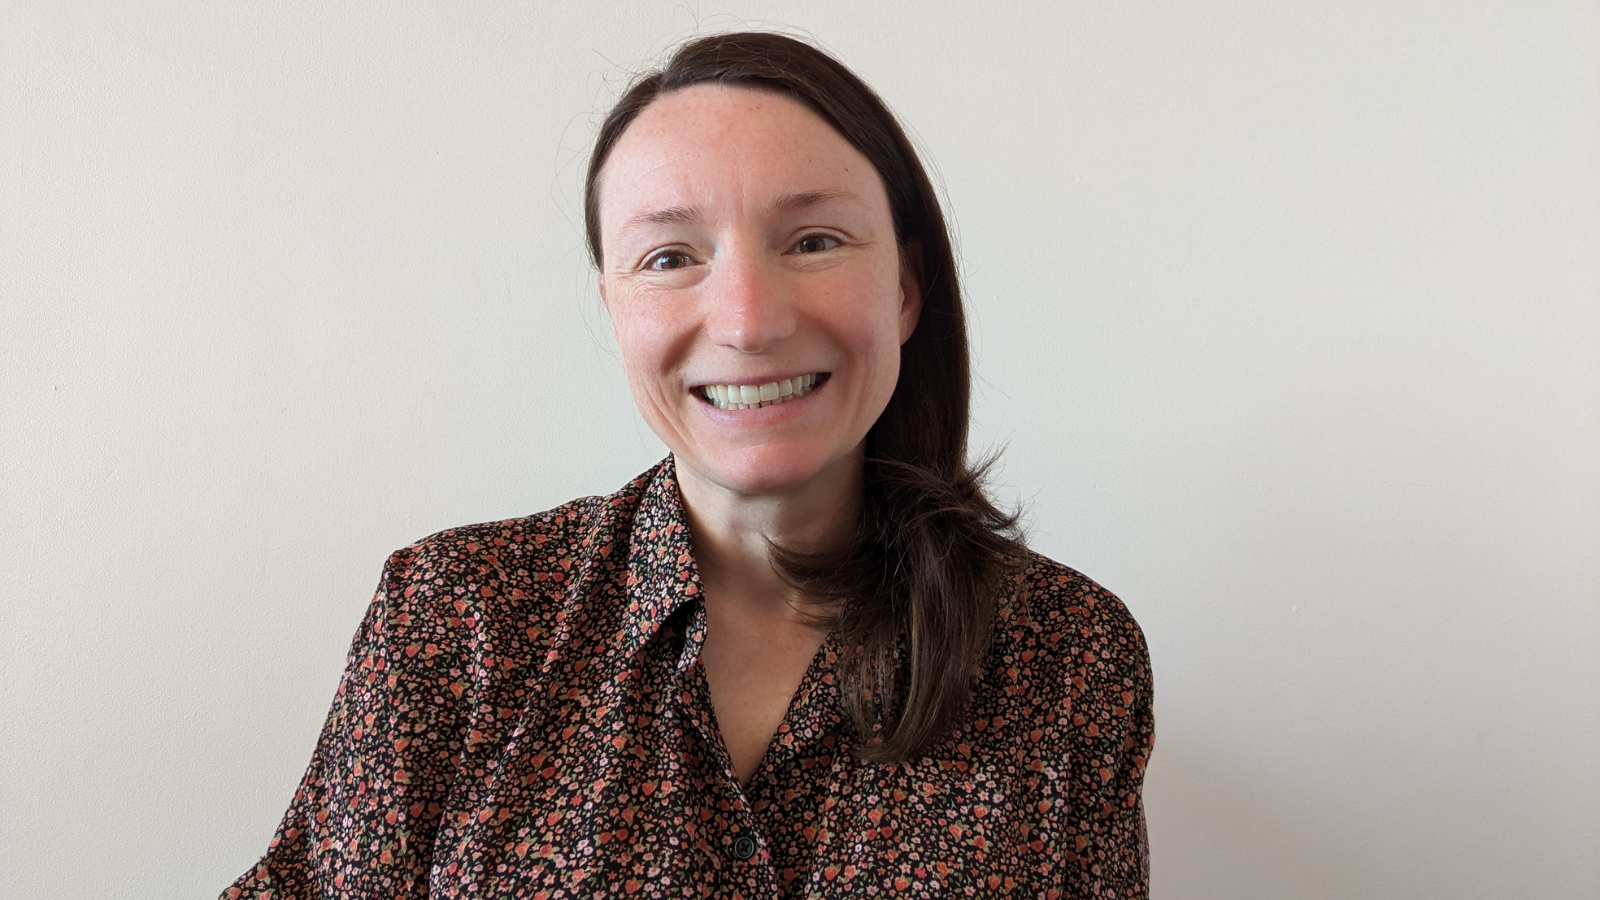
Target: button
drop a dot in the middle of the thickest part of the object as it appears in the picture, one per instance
(744, 847)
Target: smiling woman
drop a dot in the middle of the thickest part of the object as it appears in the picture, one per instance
(803, 656)
(750, 245)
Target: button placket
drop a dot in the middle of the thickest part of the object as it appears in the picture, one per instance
(736, 836)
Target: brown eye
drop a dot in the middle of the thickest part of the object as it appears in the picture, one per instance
(816, 243)
(663, 262)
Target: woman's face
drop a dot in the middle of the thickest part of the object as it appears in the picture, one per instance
(750, 260)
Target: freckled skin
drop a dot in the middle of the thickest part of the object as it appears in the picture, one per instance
(744, 242)
(756, 292)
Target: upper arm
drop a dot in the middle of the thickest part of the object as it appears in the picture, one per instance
(1109, 734)
(364, 817)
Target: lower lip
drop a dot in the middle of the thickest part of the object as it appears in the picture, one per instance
(765, 415)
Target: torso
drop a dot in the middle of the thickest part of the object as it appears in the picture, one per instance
(523, 713)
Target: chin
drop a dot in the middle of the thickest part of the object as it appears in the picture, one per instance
(770, 470)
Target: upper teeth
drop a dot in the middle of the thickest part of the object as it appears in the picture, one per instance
(750, 396)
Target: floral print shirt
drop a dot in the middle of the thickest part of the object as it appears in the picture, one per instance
(523, 714)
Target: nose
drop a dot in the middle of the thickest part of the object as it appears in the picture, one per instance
(750, 307)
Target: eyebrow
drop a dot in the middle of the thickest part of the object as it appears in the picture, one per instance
(803, 200)
(792, 202)
(671, 215)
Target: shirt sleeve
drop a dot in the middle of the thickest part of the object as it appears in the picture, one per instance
(1112, 734)
(363, 821)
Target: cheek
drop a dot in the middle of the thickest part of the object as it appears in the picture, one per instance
(647, 344)
(871, 337)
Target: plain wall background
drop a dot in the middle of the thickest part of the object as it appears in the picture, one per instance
(1288, 312)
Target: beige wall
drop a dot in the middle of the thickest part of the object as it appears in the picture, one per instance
(1288, 312)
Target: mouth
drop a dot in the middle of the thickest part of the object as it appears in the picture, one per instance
(755, 396)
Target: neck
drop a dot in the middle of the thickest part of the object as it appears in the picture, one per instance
(731, 530)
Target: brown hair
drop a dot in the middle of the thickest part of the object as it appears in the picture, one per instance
(914, 590)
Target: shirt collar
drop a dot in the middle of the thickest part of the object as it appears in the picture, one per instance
(662, 575)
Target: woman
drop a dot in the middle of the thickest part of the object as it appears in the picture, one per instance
(802, 656)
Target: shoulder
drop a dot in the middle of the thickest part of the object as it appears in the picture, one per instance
(536, 545)
(518, 570)
(1064, 605)
(1069, 630)
(536, 542)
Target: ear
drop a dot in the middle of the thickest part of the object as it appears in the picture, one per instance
(910, 289)
(605, 304)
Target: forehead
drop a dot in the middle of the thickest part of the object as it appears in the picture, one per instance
(711, 144)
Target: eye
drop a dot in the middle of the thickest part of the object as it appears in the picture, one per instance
(667, 261)
(816, 243)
